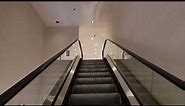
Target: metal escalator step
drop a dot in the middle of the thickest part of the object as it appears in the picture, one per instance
(93, 74)
(83, 64)
(92, 61)
(93, 69)
(95, 99)
(94, 88)
(98, 80)
(93, 66)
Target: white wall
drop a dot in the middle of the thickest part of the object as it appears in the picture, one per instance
(25, 43)
(155, 31)
(57, 38)
(21, 42)
(92, 48)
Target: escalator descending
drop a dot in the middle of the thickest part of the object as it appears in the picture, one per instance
(94, 84)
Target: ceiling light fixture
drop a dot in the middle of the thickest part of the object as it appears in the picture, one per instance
(57, 21)
(92, 21)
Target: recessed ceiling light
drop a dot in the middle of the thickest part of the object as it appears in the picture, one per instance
(92, 21)
(57, 21)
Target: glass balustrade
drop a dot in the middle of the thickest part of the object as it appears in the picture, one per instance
(143, 80)
(36, 92)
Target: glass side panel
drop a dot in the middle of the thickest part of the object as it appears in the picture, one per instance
(142, 73)
(113, 51)
(166, 92)
(149, 86)
(36, 92)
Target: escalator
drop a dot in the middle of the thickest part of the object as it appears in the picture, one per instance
(68, 80)
(119, 78)
(94, 84)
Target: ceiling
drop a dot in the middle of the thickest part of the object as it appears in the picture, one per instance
(64, 12)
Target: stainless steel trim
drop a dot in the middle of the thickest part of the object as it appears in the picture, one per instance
(63, 92)
(53, 94)
(132, 99)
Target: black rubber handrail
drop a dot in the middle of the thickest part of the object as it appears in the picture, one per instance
(80, 48)
(16, 88)
(105, 42)
(178, 82)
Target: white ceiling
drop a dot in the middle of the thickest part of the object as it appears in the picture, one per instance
(85, 12)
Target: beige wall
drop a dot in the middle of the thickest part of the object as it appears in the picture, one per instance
(21, 42)
(92, 48)
(155, 31)
(25, 43)
(57, 38)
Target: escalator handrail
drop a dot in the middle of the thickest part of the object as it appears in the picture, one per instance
(17, 87)
(175, 80)
(104, 44)
(80, 48)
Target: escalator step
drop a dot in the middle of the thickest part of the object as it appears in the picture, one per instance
(94, 63)
(94, 85)
(95, 99)
(93, 66)
(98, 80)
(94, 88)
(93, 69)
(93, 74)
(90, 61)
